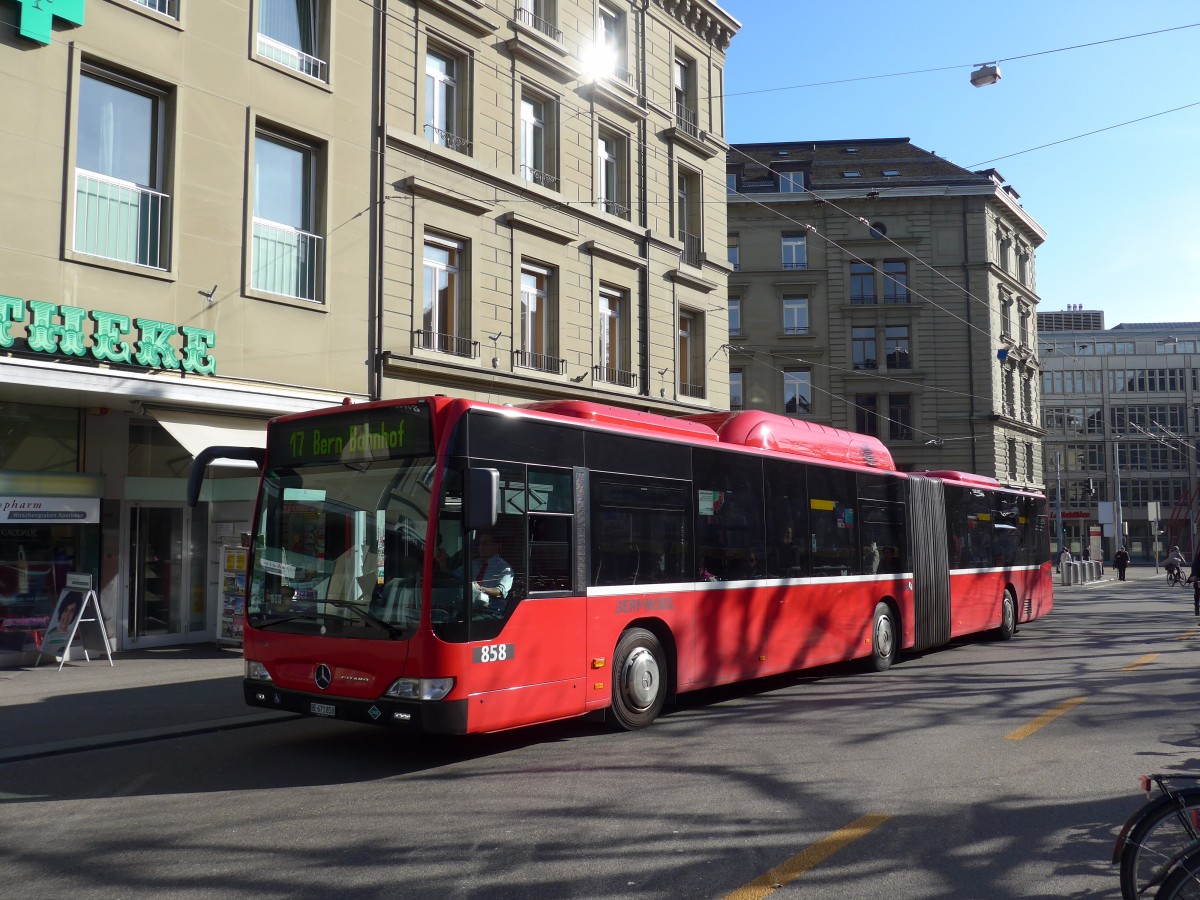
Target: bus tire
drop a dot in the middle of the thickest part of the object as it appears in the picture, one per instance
(1008, 617)
(884, 638)
(639, 679)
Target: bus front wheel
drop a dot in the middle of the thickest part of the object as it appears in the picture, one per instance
(884, 638)
(639, 686)
(1008, 617)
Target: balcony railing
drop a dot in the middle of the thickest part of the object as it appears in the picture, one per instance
(690, 255)
(794, 266)
(119, 220)
(446, 343)
(525, 16)
(795, 329)
(609, 375)
(525, 359)
(897, 299)
(286, 261)
(293, 58)
(537, 176)
(691, 390)
(614, 208)
(164, 7)
(446, 139)
(685, 120)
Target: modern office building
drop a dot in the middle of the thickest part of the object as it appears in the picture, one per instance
(1121, 409)
(182, 256)
(554, 215)
(882, 289)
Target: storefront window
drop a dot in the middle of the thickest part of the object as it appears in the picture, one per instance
(38, 438)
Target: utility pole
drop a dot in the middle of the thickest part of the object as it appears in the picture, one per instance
(1117, 498)
(1058, 500)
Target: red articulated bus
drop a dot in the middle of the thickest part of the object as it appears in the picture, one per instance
(449, 566)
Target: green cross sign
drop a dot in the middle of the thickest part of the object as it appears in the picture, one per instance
(38, 15)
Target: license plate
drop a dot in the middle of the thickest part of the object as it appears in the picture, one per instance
(322, 709)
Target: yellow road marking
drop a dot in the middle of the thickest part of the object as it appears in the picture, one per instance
(1148, 658)
(1190, 633)
(1044, 719)
(787, 872)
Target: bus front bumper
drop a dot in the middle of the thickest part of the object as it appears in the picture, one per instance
(441, 717)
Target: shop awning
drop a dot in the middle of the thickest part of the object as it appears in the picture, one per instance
(199, 431)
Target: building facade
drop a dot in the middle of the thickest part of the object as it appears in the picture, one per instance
(554, 214)
(182, 256)
(882, 289)
(1121, 410)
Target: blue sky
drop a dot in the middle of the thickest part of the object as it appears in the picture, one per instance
(1121, 208)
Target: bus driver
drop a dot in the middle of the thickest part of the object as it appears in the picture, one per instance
(493, 577)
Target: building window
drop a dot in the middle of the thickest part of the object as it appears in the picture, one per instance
(797, 391)
(121, 211)
(292, 33)
(895, 281)
(540, 16)
(862, 347)
(613, 330)
(1012, 459)
(898, 347)
(736, 398)
(900, 417)
(795, 315)
(688, 212)
(731, 182)
(445, 110)
(862, 283)
(1024, 319)
(287, 253)
(1029, 461)
(612, 164)
(866, 414)
(735, 315)
(537, 141)
(734, 252)
(795, 251)
(791, 182)
(538, 321)
(1006, 321)
(1010, 401)
(1023, 267)
(686, 119)
(168, 8)
(611, 40)
(444, 316)
(690, 351)
(1027, 398)
(1004, 242)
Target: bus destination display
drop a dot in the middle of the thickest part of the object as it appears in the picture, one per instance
(352, 437)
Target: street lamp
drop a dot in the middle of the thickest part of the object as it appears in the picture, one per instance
(987, 73)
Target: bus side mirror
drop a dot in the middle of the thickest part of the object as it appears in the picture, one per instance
(482, 503)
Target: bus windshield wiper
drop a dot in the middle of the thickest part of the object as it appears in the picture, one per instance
(279, 620)
(367, 616)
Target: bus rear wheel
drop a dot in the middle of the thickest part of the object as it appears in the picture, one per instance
(884, 638)
(639, 685)
(1008, 617)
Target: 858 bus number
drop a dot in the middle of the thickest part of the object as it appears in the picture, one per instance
(490, 653)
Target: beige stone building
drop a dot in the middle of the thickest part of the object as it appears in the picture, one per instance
(882, 289)
(554, 211)
(183, 253)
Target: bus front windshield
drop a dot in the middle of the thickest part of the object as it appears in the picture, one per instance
(342, 522)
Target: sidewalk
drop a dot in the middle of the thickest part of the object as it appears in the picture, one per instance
(1109, 579)
(146, 694)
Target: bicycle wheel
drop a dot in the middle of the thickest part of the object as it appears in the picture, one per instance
(1184, 881)
(1154, 834)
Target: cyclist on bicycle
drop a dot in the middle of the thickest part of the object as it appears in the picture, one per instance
(1174, 565)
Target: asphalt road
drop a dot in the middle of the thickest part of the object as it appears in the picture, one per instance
(984, 769)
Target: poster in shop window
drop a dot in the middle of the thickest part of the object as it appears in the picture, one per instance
(233, 595)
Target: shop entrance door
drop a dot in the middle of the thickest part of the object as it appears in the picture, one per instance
(163, 576)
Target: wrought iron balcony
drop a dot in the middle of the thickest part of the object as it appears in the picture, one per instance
(446, 343)
(794, 266)
(524, 14)
(121, 221)
(537, 176)
(525, 359)
(691, 390)
(690, 255)
(609, 375)
(286, 261)
(795, 329)
(685, 120)
(614, 208)
(447, 139)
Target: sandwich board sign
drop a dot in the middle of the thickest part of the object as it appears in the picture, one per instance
(76, 614)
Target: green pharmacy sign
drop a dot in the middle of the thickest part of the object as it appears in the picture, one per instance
(63, 331)
(37, 16)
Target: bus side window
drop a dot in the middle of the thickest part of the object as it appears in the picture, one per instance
(788, 541)
(640, 531)
(551, 524)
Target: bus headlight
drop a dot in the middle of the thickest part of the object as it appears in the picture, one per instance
(420, 688)
(256, 671)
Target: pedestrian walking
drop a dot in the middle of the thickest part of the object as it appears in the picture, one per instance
(1121, 561)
